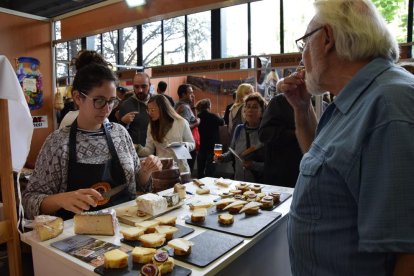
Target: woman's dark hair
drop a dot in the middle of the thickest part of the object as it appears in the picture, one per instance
(86, 57)
(160, 127)
(182, 89)
(91, 71)
(91, 76)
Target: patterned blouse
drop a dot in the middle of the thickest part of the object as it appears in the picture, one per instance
(51, 170)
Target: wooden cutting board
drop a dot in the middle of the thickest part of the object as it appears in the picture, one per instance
(128, 214)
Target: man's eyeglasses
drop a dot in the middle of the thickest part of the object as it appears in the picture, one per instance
(142, 86)
(301, 42)
(100, 102)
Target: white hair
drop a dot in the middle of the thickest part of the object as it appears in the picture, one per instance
(359, 30)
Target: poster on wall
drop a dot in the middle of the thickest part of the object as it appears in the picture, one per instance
(39, 121)
(30, 80)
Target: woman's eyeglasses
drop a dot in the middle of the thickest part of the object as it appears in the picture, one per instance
(100, 102)
(301, 42)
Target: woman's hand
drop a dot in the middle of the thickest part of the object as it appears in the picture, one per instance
(148, 166)
(129, 117)
(75, 201)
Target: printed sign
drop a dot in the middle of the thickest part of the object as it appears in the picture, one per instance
(196, 67)
(39, 121)
(285, 60)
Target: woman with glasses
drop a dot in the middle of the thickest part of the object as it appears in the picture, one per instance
(248, 151)
(77, 164)
(166, 127)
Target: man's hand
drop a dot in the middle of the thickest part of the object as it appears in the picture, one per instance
(129, 117)
(295, 91)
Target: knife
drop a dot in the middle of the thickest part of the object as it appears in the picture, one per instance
(113, 191)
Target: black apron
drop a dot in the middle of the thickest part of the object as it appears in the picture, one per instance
(82, 176)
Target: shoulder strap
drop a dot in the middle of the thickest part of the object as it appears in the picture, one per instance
(237, 131)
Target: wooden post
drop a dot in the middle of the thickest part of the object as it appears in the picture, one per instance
(10, 233)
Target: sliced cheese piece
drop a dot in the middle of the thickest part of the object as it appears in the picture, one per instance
(142, 255)
(152, 240)
(166, 220)
(202, 191)
(169, 231)
(48, 227)
(115, 259)
(251, 205)
(234, 204)
(181, 246)
(132, 233)
(200, 205)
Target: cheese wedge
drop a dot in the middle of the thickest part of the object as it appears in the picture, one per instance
(202, 191)
(181, 246)
(224, 202)
(142, 255)
(132, 233)
(202, 205)
(95, 223)
(48, 227)
(115, 259)
(152, 204)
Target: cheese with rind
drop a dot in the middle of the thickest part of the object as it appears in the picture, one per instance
(152, 204)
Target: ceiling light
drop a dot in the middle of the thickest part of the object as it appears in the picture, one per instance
(135, 3)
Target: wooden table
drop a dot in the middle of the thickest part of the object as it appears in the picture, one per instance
(264, 254)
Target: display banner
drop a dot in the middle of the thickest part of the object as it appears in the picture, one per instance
(286, 60)
(196, 67)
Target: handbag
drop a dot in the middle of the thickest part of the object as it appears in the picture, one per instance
(196, 136)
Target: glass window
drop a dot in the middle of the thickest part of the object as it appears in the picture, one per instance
(62, 51)
(128, 46)
(234, 31)
(61, 70)
(94, 43)
(151, 44)
(174, 40)
(396, 14)
(199, 36)
(110, 46)
(58, 29)
(74, 48)
(296, 21)
(265, 27)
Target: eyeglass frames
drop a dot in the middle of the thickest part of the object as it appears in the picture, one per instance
(301, 42)
(100, 102)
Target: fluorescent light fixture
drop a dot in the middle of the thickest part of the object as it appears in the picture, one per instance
(135, 3)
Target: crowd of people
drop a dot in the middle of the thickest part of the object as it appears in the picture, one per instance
(351, 169)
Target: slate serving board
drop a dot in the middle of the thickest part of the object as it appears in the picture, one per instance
(133, 269)
(182, 231)
(283, 198)
(244, 225)
(208, 247)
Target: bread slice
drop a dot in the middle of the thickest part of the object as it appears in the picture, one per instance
(142, 255)
(182, 247)
(167, 220)
(152, 240)
(115, 259)
(149, 225)
(202, 191)
(235, 206)
(132, 233)
(169, 231)
(226, 219)
(224, 202)
(199, 215)
(251, 208)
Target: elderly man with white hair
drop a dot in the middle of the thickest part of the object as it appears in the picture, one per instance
(352, 209)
